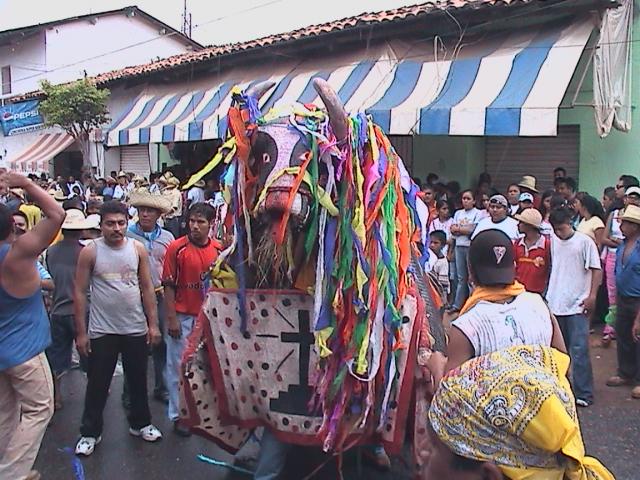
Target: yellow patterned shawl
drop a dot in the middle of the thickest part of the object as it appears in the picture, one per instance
(515, 408)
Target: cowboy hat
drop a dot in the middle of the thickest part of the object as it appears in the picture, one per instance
(530, 216)
(58, 195)
(110, 180)
(200, 184)
(18, 192)
(138, 178)
(631, 214)
(75, 220)
(528, 182)
(173, 182)
(140, 198)
(94, 219)
(121, 173)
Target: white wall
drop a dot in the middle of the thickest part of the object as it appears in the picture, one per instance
(27, 61)
(113, 42)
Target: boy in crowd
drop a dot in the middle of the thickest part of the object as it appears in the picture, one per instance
(575, 277)
(532, 252)
(437, 260)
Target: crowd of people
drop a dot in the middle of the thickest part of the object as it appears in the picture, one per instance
(524, 269)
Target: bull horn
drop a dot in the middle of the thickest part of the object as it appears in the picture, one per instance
(335, 109)
(259, 89)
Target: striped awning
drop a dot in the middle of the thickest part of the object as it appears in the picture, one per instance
(37, 155)
(508, 84)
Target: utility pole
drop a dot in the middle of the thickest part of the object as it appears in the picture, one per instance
(186, 21)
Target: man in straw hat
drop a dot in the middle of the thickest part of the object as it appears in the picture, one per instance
(532, 252)
(26, 387)
(156, 240)
(509, 415)
(121, 190)
(61, 262)
(628, 303)
(172, 193)
(528, 185)
(196, 193)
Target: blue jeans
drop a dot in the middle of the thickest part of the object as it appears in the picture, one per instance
(175, 347)
(272, 458)
(462, 272)
(575, 330)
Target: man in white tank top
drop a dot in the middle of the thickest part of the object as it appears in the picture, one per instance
(500, 313)
(123, 319)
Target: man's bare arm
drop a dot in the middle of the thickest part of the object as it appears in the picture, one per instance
(86, 262)
(146, 286)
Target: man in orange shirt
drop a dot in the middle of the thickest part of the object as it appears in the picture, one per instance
(186, 264)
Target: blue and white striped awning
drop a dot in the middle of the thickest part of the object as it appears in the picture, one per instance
(505, 84)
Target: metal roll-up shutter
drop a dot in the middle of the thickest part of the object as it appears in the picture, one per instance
(135, 159)
(403, 145)
(509, 158)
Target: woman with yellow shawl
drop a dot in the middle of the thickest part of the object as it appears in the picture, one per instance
(509, 415)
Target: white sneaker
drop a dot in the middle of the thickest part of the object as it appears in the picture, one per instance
(86, 445)
(148, 433)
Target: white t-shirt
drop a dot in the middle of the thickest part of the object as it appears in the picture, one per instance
(490, 327)
(508, 226)
(195, 195)
(570, 281)
(465, 217)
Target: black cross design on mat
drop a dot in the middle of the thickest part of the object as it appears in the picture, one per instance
(295, 400)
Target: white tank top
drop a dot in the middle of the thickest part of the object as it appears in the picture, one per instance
(494, 326)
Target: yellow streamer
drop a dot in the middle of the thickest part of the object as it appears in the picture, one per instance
(214, 162)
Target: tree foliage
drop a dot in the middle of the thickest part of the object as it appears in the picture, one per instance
(76, 107)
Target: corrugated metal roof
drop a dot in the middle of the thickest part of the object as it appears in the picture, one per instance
(364, 19)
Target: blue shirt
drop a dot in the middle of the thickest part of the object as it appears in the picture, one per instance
(107, 191)
(24, 325)
(628, 274)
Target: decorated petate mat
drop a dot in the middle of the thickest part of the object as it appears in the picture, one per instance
(264, 377)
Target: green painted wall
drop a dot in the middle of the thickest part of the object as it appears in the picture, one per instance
(603, 160)
(452, 158)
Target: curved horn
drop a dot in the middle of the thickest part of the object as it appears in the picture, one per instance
(259, 89)
(335, 109)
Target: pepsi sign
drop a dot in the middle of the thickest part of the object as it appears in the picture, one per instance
(21, 117)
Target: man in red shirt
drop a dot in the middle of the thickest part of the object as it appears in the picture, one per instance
(532, 252)
(186, 264)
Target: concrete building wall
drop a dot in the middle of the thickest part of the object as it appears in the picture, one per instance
(27, 60)
(104, 44)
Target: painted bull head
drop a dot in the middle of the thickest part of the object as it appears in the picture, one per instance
(277, 149)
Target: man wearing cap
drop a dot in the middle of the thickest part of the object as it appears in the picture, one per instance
(121, 190)
(628, 303)
(528, 185)
(498, 219)
(61, 262)
(196, 193)
(499, 313)
(532, 252)
(525, 201)
(573, 285)
(26, 387)
(156, 240)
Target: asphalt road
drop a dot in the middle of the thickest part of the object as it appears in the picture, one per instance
(611, 429)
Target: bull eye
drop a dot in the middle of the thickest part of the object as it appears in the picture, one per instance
(266, 158)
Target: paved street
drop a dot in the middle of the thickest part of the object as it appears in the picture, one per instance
(611, 429)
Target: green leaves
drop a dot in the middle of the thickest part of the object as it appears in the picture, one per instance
(76, 107)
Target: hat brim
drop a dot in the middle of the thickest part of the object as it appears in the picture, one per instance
(528, 187)
(84, 225)
(518, 217)
(632, 220)
(158, 203)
